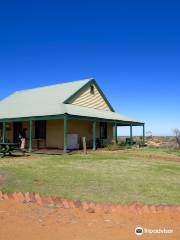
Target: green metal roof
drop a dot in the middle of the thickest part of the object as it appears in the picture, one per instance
(38, 101)
(91, 112)
(50, 101)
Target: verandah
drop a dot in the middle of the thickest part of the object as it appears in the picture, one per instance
(65, 119)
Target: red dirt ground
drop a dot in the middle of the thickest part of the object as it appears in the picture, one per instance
(29, 221)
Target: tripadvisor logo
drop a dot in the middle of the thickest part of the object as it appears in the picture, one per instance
(139, 231)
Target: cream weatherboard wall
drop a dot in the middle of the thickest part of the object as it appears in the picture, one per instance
(91, 100)
(55, 132)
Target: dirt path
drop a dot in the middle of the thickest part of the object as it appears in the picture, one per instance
(33, 222)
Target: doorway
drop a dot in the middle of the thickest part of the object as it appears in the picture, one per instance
(103, 133)
(103, 130)
(17, 129)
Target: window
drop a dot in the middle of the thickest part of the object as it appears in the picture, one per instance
(103, 130)
(40, 129)
(92, 89)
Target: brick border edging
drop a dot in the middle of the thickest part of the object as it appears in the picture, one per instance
(89, 206)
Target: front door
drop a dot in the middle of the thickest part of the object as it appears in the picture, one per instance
(17, 129)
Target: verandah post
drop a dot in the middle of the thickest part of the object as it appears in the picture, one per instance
(94, 135)
(30, 135)
(115, 132)
(65, 134)
(131, 135)
(143, 133)
(4, 132)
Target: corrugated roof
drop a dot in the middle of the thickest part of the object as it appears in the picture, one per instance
(91, 112)
(41, 101)
(49, 100)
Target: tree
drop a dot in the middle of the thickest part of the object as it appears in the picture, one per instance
(177, 134)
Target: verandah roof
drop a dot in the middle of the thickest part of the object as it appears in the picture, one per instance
(91, 112)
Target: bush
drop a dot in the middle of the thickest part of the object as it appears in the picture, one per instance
(115, 147)
(122, 142)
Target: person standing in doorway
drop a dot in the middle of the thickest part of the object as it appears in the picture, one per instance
(23, 138)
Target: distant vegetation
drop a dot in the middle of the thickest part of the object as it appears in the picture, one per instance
(169, 142)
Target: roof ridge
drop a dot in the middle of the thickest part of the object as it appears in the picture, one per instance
(51, 85)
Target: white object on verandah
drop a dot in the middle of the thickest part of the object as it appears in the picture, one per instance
(73, 141)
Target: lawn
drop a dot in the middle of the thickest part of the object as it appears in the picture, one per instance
(101, 176)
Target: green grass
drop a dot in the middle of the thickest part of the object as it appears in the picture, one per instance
(160, 151)
(103, 177)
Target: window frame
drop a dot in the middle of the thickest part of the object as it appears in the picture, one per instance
(40, 129)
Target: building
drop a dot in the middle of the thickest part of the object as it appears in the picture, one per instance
(58, 116)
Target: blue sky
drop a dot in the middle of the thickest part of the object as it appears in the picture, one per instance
(132, 49)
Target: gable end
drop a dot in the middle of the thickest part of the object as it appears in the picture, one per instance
(90, 95)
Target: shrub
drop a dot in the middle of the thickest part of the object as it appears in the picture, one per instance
(115, 147)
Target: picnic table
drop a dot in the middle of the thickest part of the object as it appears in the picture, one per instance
(9, 148)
